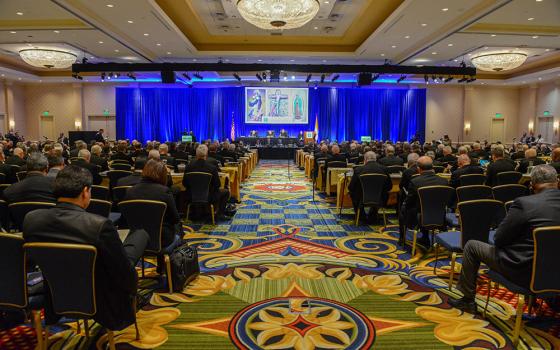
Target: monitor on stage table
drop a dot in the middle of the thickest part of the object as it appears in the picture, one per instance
(276, 105)
(366, 139)
(186, 138)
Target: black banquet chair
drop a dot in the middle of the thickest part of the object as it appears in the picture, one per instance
(508, 177)
(473, 192)
(120, 166)
(545, 281)
(372, 193)
(72, 286)
(148, 215)
(506, 193)
(476, 217)
(200, 191)
(472, 179)
(14, 294)
(100, 192)
(20, 209)
(119, 193)
(115, 175)
(396, 169)
(99, 207)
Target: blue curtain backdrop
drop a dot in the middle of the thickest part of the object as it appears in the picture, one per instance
(344, 113)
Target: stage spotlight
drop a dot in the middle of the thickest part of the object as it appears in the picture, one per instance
(187, 76)
(308, 78)
(375, 77)
(322, 78)
(471, 80)
(84, 60)
(403, 77)
(264, 76)
(236, 76)
(448, 80)
(109, 76)
(198, 76)
(259, 77)
(102, 77)
(335, 78)
(462, 80)
(315, 87)
(76, 76)
(131, 76)
(116, 75)
(285, 76)
(426, 79)
(364, 79)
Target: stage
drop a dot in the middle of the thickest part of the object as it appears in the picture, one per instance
(276, 152)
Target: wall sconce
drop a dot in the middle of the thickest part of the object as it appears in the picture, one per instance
(78, 125)
(555, 125)
(12, 124)
(467, 128)
(531, 126)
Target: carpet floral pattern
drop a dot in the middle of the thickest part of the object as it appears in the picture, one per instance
(288, 273)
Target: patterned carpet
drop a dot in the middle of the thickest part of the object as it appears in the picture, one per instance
(289, 273)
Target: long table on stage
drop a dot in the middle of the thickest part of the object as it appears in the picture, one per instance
(268, 141)
(276, 152)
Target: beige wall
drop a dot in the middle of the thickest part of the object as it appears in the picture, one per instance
(448, 107)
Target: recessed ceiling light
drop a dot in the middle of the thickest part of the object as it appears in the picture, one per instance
(540, 78)
(3, 75)
(259, 60)
(524, 82)
(394, 47)
(110, 5)
(158, 44)
(116, 50)
(449, 44)
(56, 31)
(293, 77)
(227, 59)
(169, 53)
(101, 42)
(18, 78)
(547, 50)
(493, 35)
(455, 60)
(194, 59)
(470, 54)
(539, 0)
(407, 37)
(434, 53)
(292, 60)
(19, 13)
(530, 18)
(315, 27)
(130, 21)
(482, 83)
(324, 60)
(382, 55)
(326, 2)
(12, 32)
(146, 34)
(535, 36)
(424, 24)
(445, 9)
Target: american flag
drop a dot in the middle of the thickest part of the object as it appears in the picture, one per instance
(232, 133)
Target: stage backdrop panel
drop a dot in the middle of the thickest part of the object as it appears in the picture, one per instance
(276, 105)
(343, 113)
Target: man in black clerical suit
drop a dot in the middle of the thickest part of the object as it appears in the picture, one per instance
(270, 133)
(253, 133)
(36, 187)
(512, 252)
(411, 204)
(218, 196)
(68, 222)
(283, 133)
(18, 157)
(498, 165)
(122, 153)
(83, 161)
(465, 168)
(448, 158)
(136, 176)
(355, 186)
(99, 137)
(390, 158)
(530, 159)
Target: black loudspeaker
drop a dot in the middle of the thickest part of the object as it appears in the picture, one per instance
(275, 76)
(168, 77)
(364, 79)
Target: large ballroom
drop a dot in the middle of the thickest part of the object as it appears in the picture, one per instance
(279, 174)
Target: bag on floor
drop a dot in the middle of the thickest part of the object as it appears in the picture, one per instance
(184, 266)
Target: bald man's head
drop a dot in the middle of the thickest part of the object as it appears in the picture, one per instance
(424, 164)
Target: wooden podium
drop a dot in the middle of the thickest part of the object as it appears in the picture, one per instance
(308, 136)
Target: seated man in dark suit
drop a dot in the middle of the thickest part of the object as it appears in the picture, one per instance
(97, 159)
(253, 133)
(283, 133)
(7, 170)
(390, 158)
(83, 161)
(408, 215)
(18, 158)
(512, 252)
(36, 187)
(164, 155)
(529, 160)
(122, 153)
(322, 155)
(68, 222)
(465, 167)
(217, 196)
(556, 159)
(136, 176)
(270, 133)
(498, 165)
(448, 158)
(214, 157)
(409, 173)
(355, 186)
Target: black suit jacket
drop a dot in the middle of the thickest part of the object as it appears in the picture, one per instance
(122, 156)
(448, 159)
(391, 160)
(99, 138)
(355, 186)
(335, 158)
(102, 162)
(130, 180)
(514, 238)
(407, 176)
(36, 187)
(8, 170)
(93, 169)
(201, 165)
(556, 165)
(15, 160)
(494, 168)
(147, 189)
(468, 169)
(115, 277)
(524, 164)
(412, 201)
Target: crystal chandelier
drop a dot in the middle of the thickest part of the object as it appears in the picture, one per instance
(498, 62)
(278, 14)
(45, 58)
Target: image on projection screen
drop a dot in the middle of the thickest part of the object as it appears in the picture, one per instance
(276, 105)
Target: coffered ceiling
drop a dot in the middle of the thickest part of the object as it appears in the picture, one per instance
(411, 32)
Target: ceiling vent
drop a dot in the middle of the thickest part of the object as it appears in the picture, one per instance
(334, 17)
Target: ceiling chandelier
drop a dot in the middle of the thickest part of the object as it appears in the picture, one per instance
(278, 14)
(497, 62)
(46, 58)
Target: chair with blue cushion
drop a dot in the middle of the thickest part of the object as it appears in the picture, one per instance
(545, 279)
(477, 217)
